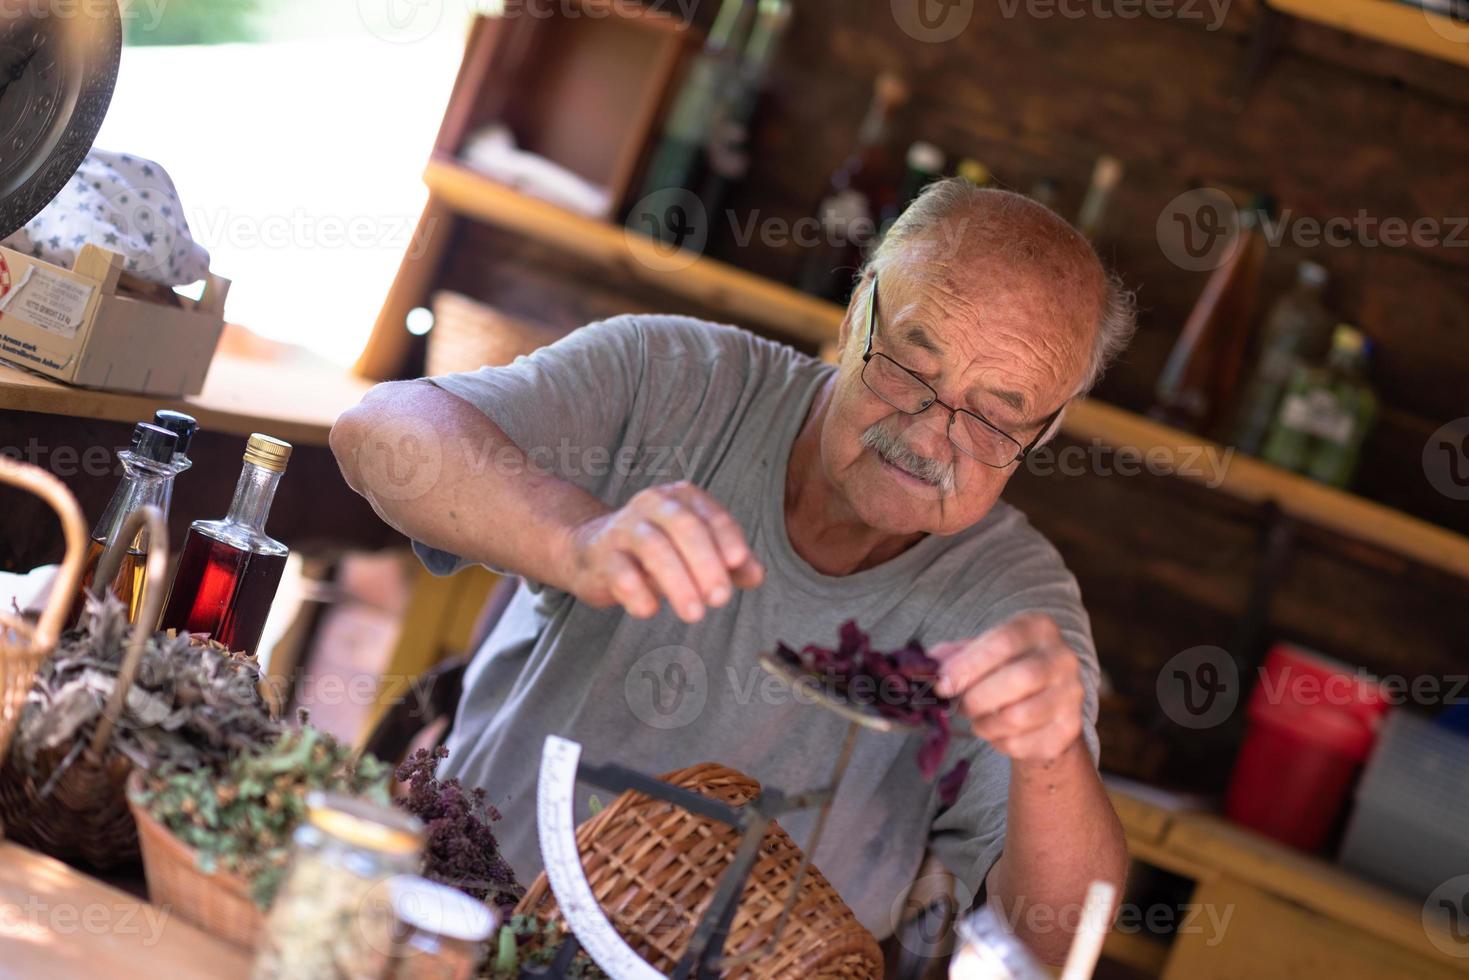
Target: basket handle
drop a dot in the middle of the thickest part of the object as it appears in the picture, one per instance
(73, 531)
(148, 610)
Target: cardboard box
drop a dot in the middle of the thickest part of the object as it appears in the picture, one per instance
(82, 326)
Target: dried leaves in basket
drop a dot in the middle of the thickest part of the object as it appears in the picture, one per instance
(193, 704)
(242, 820)
(460, 849)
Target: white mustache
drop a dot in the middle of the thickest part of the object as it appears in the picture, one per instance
(892, 449)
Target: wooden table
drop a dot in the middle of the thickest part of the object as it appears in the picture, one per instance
(56, 922)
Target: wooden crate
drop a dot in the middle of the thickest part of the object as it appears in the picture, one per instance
(93, 325)
(582, 87)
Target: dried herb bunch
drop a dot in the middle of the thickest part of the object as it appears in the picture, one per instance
(193, 703)
(460, 849)
(241, 820)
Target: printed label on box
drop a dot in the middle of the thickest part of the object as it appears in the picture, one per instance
(49, 301)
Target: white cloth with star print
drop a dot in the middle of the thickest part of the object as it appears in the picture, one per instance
(123, 203)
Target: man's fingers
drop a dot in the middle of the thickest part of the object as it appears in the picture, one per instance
(663, 564)
(1020, 717)
(986, 653)
(748, 575)
(728, 536)
(1013, 682)
(629, 586)
(694, 539)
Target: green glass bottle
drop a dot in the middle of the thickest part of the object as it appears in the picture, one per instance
(1296, 331)
(1326, 413)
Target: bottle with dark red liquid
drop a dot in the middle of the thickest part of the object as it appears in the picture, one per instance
(228, 570)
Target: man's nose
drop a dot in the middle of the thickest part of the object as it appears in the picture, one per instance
(928, 434)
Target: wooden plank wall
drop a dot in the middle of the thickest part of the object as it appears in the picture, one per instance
(1336, 126)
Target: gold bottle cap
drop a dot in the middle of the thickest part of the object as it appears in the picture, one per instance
(268, 452)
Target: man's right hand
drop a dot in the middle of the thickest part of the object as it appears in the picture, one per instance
(672, 541)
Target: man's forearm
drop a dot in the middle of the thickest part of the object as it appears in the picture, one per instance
(1062, 834)
(440, 471)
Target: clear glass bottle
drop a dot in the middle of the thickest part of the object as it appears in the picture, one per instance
(1326, 413)
(148, 472)
(925, 164)
(333, 916)
(859, 190)
(1296, 332)
(680, 159)
(228, 570)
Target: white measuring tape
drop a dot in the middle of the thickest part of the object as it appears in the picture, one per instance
(555, 790)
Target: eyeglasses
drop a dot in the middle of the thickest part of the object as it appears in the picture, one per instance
(973, 434)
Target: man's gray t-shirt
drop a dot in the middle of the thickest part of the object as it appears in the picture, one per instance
(639, 401)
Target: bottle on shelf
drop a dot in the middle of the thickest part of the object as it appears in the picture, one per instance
(975, 172)
(228, 570)
(1296, 331)
(681, 158)
(859, 190)
(1326, 413)
(148, 471)
(1202, 370)
(925, 165)
(1046, 191)
(1106, 175)
(727, 148)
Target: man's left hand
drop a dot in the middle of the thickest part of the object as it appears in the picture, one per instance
(1019, 685)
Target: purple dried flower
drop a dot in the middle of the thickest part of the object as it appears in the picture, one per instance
(459, 848)
(898, 685)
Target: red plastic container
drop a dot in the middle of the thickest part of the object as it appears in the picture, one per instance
(1312, 723)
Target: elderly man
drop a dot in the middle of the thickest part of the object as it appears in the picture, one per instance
(680, 496)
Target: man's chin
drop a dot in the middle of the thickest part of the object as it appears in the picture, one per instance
(896, 503)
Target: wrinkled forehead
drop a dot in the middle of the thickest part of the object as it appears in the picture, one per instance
(990, 310)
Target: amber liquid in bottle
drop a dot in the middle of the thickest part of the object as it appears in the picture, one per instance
(149, 468)
(127, 586)
(223, 590)
(228, 570)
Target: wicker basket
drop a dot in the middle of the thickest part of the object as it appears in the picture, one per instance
(217, 902)
(468, 335)
(24, 646)
(82, 813)
(654, 867)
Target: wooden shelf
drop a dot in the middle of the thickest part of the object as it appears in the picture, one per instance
(750, 298)
(1399, 24)
(746, 297)
(1136, 950)
(294, 402)
(1247, 478)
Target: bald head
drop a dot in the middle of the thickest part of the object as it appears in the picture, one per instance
(1013, 260)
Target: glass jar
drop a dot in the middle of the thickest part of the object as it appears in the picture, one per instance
(439, 933)
(332, 919)
(989, 951)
